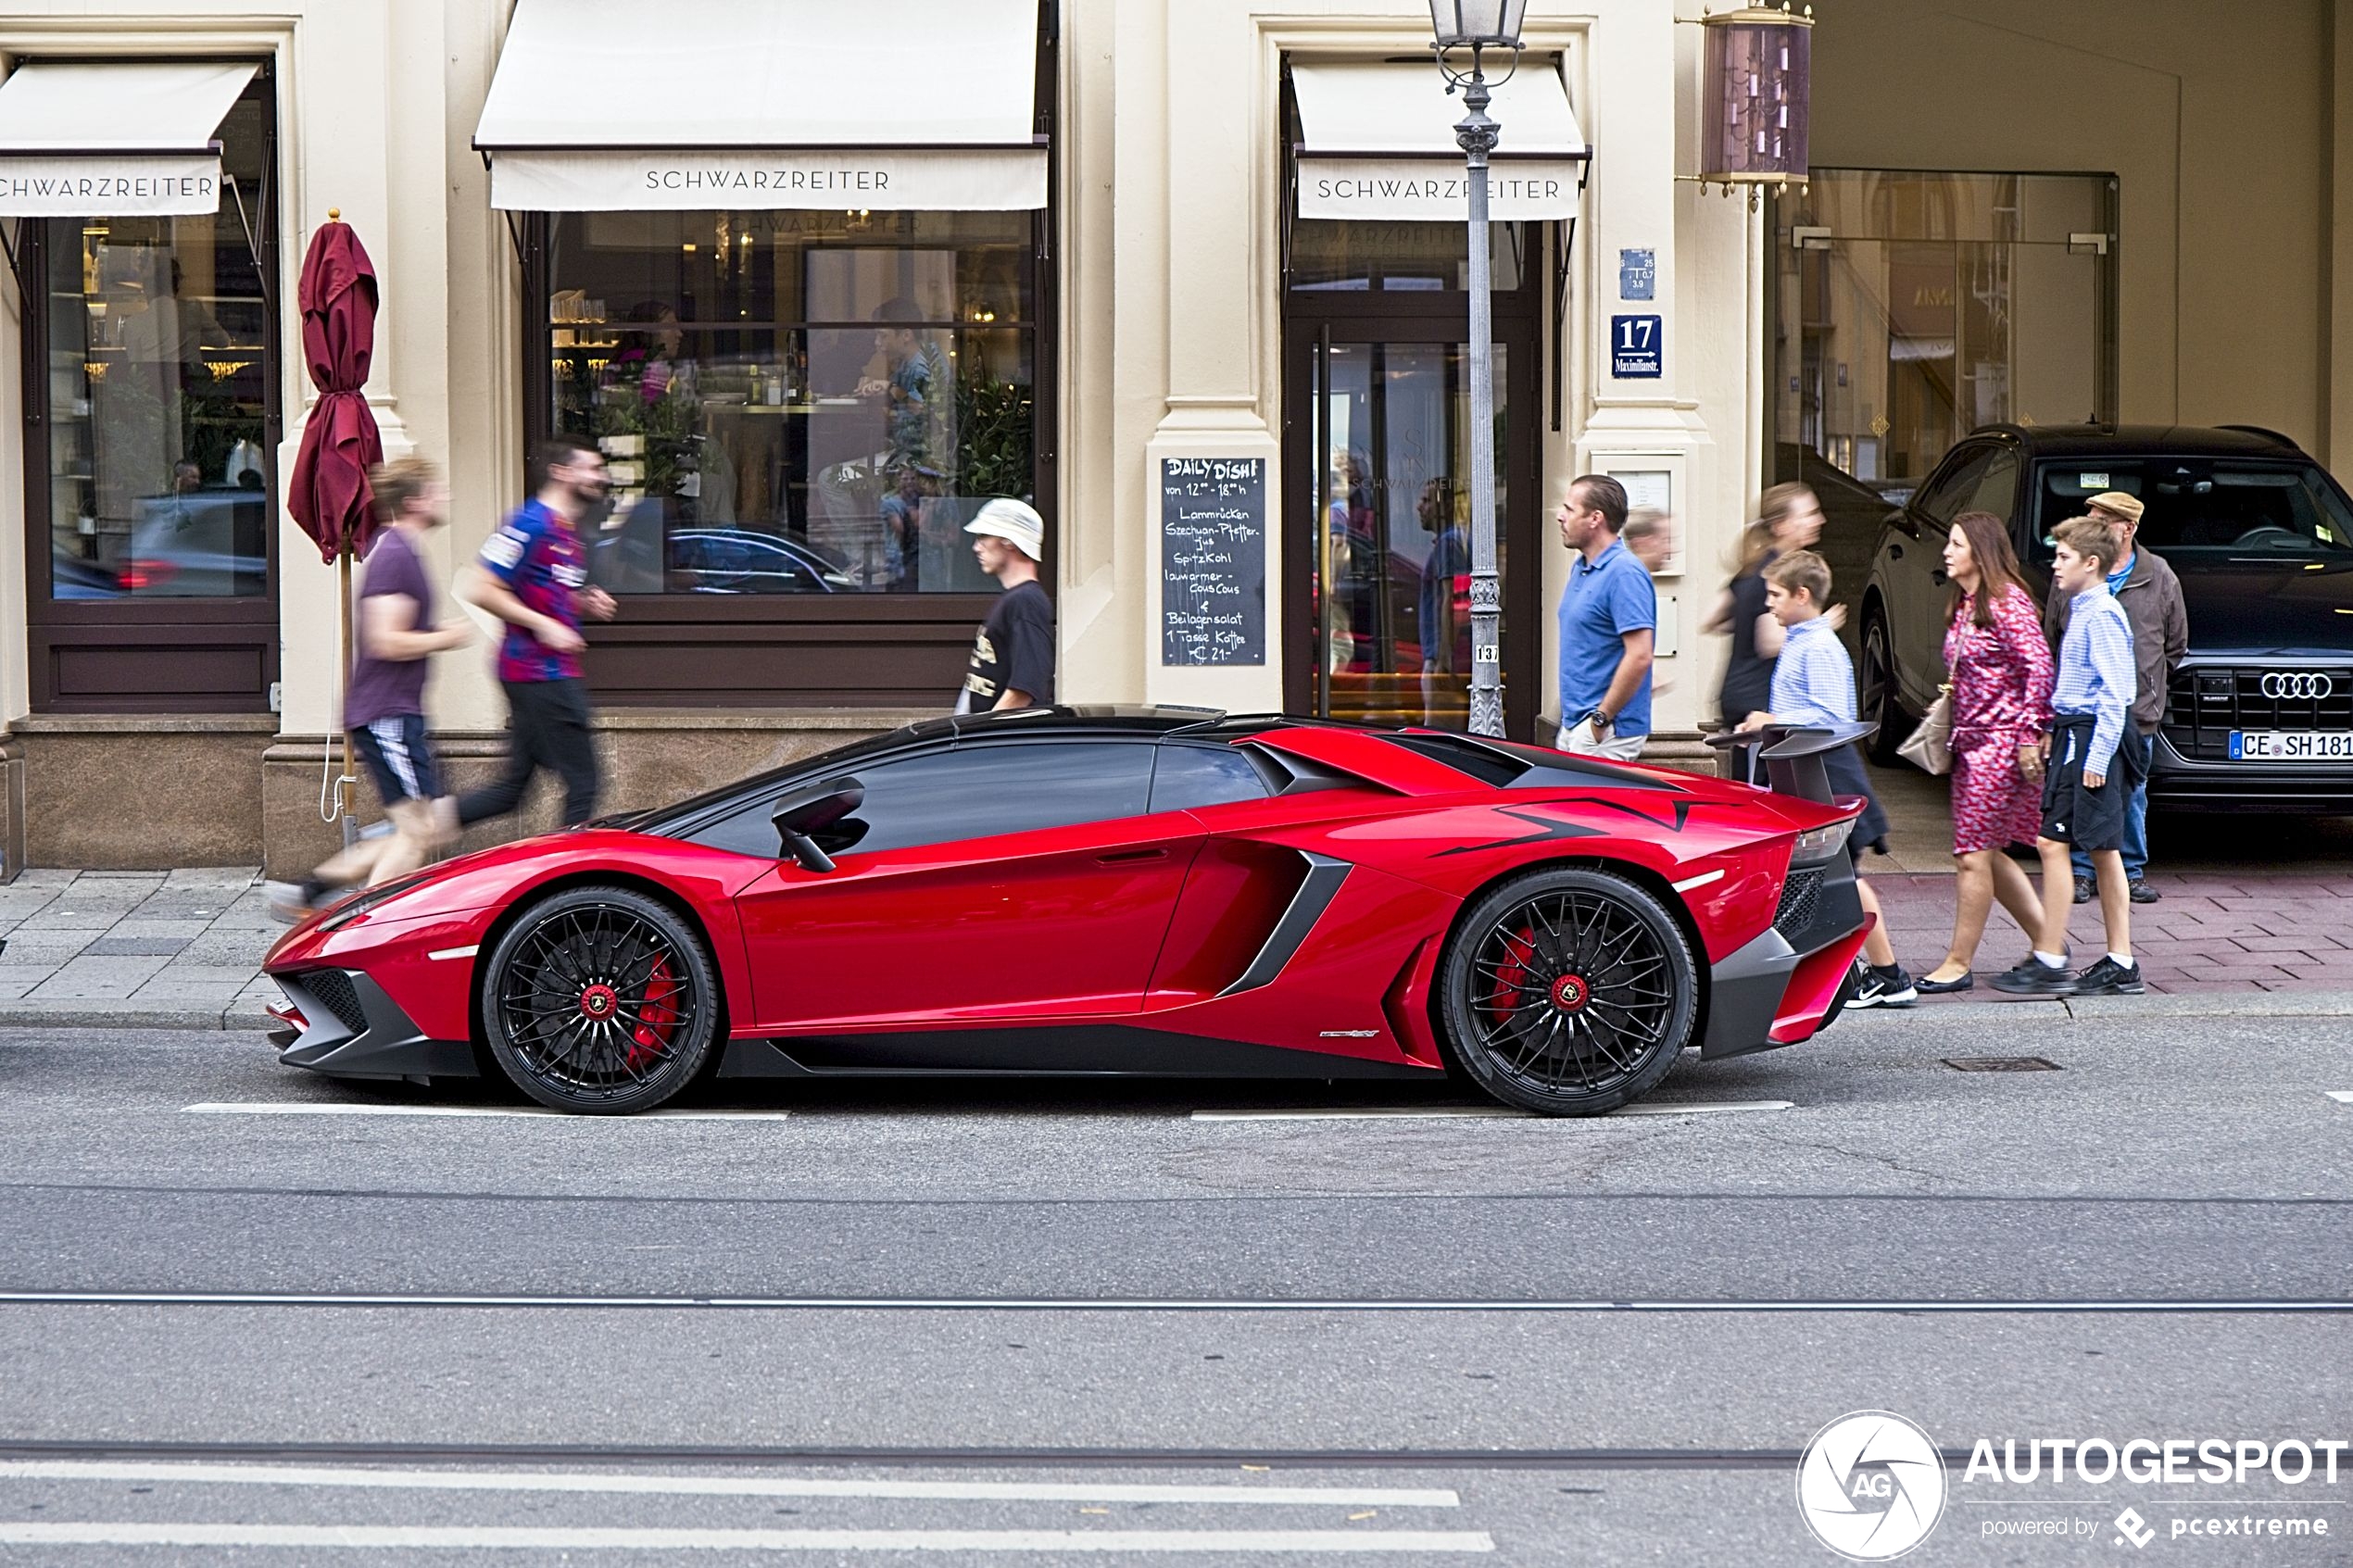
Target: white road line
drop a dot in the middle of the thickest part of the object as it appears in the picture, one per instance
(1147, 1303)
(344, 1108)
(1486, 1112)
(2343, 1097)
(477, 1537)
(715, 1486)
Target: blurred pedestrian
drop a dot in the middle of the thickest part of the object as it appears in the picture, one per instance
(1814, 684)
(2089, 774)
(2151, 597)
(1999, 678)
(1788, 518)
(1650, 533)
(533, 575)
(1013, 659)
(384, 707)
(1608, 624)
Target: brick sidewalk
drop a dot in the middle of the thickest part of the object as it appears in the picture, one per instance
(2212, 930)
(175, 944)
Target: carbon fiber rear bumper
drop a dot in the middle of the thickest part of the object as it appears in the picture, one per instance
(1753, 1004)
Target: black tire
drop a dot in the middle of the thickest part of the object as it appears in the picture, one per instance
(601, 1001)
(1569, 992)
(1875, 690)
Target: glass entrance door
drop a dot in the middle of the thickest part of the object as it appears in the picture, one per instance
(1378, 513)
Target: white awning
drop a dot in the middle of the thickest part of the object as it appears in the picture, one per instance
(124, 138)
(1378, 142)
(602, 106)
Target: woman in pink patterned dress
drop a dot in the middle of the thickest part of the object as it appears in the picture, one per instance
(2001, 682)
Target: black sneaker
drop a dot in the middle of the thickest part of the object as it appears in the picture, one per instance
(2142, 893)
(1889, 987)
(2109, 978)
(2085, 891)
(2035, 978)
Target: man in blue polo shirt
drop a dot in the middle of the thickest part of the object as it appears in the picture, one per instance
(1608, 619)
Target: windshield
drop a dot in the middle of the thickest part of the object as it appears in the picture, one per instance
(2206, 508)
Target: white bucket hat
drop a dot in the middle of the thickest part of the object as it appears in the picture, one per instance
(1017, 523)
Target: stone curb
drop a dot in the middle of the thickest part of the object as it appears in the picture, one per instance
(97, 1012)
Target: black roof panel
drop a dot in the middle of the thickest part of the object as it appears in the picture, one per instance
(2156, 441)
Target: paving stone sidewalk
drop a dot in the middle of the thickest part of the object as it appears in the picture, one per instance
(179, 948)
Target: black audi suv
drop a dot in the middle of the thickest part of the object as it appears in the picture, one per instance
(2259, 716)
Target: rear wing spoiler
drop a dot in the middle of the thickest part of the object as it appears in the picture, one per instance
(1791, 755)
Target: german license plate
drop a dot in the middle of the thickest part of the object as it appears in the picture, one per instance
(2292, 746)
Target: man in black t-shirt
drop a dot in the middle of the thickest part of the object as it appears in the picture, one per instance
(1013, 661)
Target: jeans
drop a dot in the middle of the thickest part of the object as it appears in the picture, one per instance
(549, 730)
(2136, 812)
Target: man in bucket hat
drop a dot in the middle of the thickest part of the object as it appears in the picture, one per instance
(2151, 597)
(1013, 661)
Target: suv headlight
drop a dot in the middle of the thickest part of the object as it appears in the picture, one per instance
(1820, 844)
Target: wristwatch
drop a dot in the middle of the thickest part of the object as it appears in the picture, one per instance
(1600, 719)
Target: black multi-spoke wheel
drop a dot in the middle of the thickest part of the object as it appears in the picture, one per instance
(1880, 705)
(1569, 992)
(599, 999)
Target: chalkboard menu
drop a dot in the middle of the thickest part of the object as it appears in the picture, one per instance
(1212, 560)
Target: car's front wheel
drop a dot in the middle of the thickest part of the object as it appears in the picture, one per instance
(599, 1000)
(1877, 702)
(1569, 992)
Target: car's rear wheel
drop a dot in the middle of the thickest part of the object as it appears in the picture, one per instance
(599, 1000)
(1875, 682)
(1569, 992)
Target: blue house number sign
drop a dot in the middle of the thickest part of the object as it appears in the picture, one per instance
(1634, 349)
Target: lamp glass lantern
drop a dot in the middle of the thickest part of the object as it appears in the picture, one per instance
(1758, 69)
(1486, 24)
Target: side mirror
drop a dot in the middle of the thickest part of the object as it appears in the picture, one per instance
(810, 810)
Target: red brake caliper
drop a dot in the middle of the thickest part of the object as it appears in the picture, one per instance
(1512, 974)
(657, 1018)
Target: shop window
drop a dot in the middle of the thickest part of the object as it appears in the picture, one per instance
(152, 430)
(794, 404)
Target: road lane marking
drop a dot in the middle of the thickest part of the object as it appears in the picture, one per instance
(1486, 1112)
(714, 1485)
(2343, 1097)
(1144, 1304)
(343, 1108)
(476, 1537)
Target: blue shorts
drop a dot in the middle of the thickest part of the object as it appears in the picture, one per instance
(399, 756)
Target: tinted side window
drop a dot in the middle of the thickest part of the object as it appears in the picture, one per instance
(974, 792)
(1954, 491)
(1996, 488)
(1203, 775)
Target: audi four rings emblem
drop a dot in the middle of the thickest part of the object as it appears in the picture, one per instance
(2303, 684)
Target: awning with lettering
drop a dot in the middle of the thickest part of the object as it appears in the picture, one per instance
(1378, 142)
(605, 105)
(127, 138)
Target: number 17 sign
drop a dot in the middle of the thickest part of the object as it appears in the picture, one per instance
(1634, 346)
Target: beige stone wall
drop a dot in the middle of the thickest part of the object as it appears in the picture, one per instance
(2236, 254)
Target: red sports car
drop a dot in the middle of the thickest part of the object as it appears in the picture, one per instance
(1114, 890)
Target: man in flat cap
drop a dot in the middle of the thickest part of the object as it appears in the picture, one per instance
(2151, 597)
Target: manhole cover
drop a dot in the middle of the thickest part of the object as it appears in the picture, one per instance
(2001, 1064)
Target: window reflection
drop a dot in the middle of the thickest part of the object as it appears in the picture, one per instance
(794, 402)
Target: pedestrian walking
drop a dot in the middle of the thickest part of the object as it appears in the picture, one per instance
(1788, 518)
(1608, 625)
(2151, 596)
(2088, 776)
(533, 575)
(1013, 659)
(384, 705)
(1814, 683)
(1999, 678)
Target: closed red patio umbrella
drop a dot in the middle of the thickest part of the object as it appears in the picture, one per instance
(328, 493)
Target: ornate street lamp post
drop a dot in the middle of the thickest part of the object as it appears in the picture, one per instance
(1480, 25)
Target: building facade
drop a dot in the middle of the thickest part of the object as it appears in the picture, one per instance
(1189, 277)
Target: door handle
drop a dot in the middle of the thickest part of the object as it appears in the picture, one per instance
(1130, 856)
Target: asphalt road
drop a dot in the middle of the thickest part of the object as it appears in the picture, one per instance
(1039, 1323)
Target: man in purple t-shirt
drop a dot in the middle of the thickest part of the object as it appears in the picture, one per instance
(384, 705)
(534, 575)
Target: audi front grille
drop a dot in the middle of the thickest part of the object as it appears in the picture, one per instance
(2205, 703)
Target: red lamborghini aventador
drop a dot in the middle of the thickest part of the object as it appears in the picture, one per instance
(1162, 891)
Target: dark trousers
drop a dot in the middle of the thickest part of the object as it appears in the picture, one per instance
(549, 729)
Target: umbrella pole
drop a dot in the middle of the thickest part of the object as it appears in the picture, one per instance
(343, 607)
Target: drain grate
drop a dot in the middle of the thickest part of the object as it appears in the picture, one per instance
(2001, 1064)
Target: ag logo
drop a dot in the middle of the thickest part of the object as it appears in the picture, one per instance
(1871, 1486)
